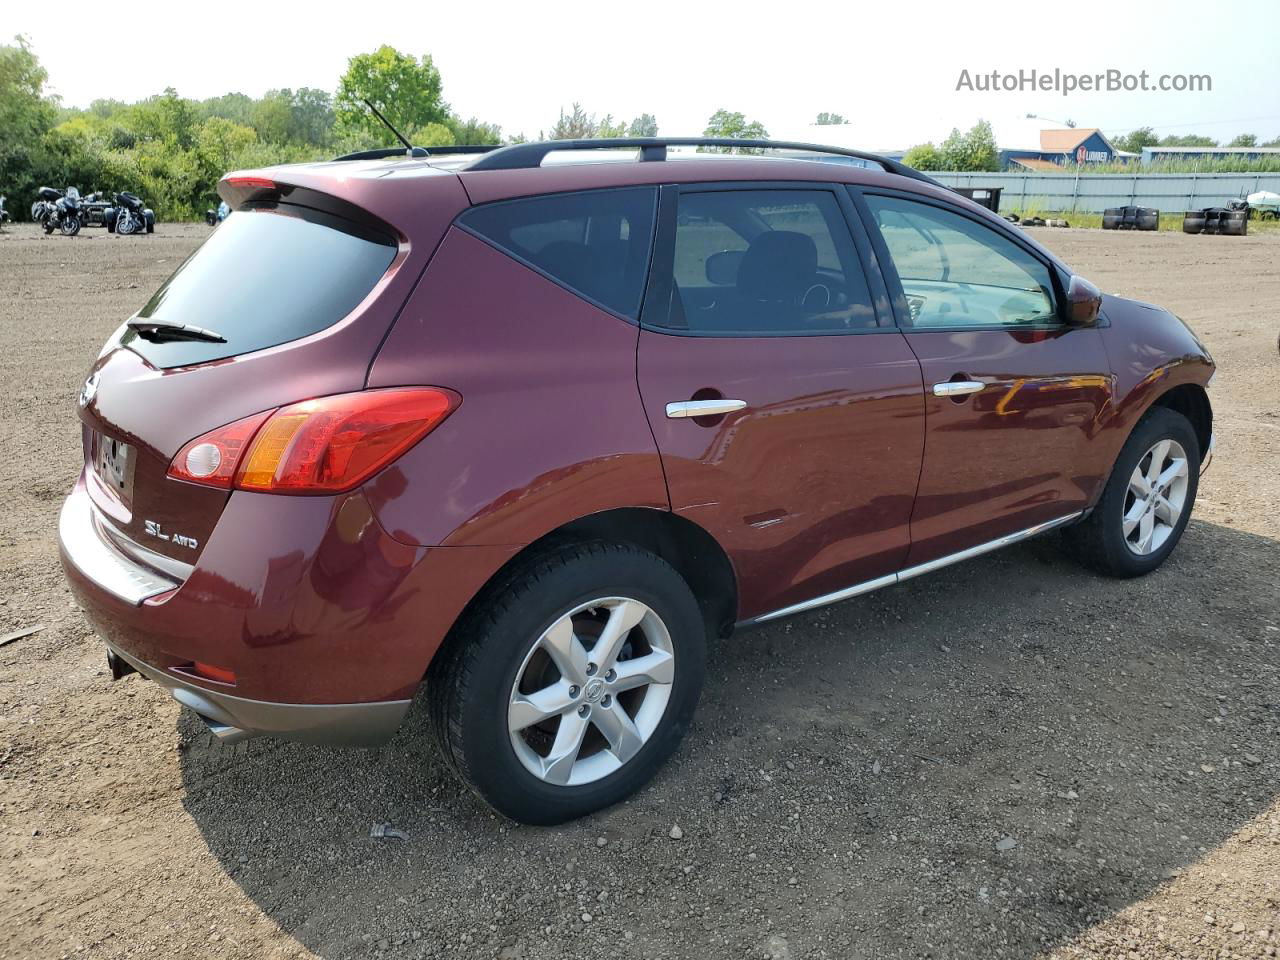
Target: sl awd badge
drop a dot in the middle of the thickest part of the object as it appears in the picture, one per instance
(153, 529)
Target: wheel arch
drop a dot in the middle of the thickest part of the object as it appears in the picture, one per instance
(694, 553)
(1192, 401)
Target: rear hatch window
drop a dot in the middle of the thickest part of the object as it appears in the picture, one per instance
(269, 274)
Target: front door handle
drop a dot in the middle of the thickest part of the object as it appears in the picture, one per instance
(703, 408)
(957, 388)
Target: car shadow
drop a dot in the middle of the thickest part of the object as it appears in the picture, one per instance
(982, 763)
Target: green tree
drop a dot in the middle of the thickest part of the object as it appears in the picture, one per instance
(474, 132)
(312, 116)
(725, 123)
(1244, 140)
(1135, 140)
(406, 89)
(645, 125)
(25, 113)
(972, 151)
(577, 124)
(1188, 140)
(272, 116)
(830, 119)
(924, 156)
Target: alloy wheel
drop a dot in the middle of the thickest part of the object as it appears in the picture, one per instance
(1156, 497)
(591, 691)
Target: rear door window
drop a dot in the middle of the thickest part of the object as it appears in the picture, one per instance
(270, 274)
(595, 243)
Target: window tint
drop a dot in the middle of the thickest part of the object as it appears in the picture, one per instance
(766, 262)
(596, 244)
(956, 272)
(266, 276)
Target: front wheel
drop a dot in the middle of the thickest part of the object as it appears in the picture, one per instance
(1147, 501)
(70, 226)
(571, 682)
(126, 224)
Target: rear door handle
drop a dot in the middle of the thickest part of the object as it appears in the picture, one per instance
(703, 408)
(957, 388)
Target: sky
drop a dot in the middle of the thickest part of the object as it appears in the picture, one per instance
(890, 69)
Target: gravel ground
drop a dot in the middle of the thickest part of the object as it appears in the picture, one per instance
(1011, 758)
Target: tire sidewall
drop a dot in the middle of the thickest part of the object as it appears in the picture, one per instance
(492, 765)
(1158, 424)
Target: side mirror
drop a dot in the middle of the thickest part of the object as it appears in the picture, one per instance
(722, 267)
(1084, 300)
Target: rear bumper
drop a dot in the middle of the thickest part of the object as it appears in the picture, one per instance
(232, 719)
(327, 623)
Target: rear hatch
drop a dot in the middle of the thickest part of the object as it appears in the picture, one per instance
(289, 299)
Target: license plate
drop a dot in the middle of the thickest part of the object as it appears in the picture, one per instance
(113, 463)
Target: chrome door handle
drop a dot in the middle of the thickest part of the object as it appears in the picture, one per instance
(957, 388)
(703, 408)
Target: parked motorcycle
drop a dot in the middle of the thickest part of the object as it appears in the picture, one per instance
(65, 213)
(44, 207)
(215, 217)
(129, 215)
(92, 209)
(4, 214)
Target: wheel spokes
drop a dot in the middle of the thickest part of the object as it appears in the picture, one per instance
(1176, 469)
(1146, 530)
(1167, 511)
(619, 729)
(566, 651)
(623, 617)
(529, 708)
(1134, 515)
(657, 666)
(557, 765)
(1158, 454)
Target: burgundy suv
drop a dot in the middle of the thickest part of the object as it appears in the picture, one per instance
(531, 433)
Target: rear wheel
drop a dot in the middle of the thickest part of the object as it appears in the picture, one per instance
(1147, 501)
(571, 683)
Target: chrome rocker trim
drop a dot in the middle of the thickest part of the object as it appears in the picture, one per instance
(232, 719)
(906, 574)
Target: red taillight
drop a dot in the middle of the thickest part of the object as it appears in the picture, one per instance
(254, 183)
(325, 445)
(212, 459)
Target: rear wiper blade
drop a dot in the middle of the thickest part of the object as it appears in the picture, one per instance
(157, 331)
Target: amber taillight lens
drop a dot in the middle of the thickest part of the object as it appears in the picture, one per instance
(325, 445)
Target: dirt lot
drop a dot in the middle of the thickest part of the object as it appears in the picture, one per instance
(850, 788)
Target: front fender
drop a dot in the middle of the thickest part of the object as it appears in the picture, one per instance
(1151, 352)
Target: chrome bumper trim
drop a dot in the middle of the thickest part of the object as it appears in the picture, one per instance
(87, 547)
(917, 570)
(231, 718)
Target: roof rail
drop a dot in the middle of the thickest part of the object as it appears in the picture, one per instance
(525, 155)
(384, 152)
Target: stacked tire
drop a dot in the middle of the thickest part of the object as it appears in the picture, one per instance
(1131, 218)
(1219, 220)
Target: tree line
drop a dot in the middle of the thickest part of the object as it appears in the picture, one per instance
(172, 150)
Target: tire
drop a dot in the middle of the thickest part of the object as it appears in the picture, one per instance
(48, 226)
(1101, 541)
(151, 226)
(126, 225)
(500, 652)
(70, 226)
